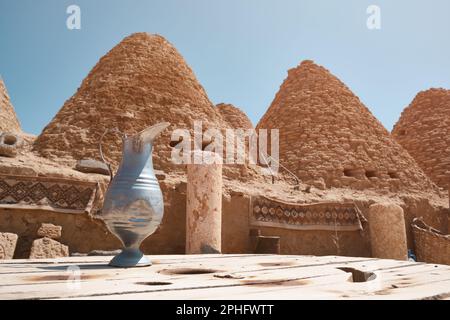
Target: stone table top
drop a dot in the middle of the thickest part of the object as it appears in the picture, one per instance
(225, 277)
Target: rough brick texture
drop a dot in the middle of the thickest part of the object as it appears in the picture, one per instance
(234, 117)
(140, 82)
(328, 136)
(8, 243)
(50, 231)
(424, 130)
(47, 248)
(8, 118)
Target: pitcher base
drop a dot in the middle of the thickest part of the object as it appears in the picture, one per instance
(130, 258)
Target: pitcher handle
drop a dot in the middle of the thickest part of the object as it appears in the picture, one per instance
(114, 130)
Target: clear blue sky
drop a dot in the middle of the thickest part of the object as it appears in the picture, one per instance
(239, 50)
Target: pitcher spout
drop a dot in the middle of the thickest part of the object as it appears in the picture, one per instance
(148, 135)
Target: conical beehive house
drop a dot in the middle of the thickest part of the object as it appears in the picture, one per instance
(8, 118)
(329, 138)
(424, 131)
(234, 117)
(140, 82)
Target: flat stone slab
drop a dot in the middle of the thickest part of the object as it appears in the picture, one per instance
(223, 277)
(48, 230)
(92, 166)
(8, 243)
(46, 248)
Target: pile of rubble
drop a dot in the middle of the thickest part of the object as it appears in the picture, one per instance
(45, 247)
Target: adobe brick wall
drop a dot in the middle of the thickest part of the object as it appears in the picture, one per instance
(140, 82)
(8, 118)
(424, 131)
(234, 117)
(328, 137)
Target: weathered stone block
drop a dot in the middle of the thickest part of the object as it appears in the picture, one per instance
(92, 166)
(48, 230)
(8, 243)
(47, 248)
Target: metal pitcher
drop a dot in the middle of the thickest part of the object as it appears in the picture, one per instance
(133, 207)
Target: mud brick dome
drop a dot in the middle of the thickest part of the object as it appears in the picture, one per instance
(328, 137)
(424, 131)
(234, 117)
(141, 81)
(8, 118)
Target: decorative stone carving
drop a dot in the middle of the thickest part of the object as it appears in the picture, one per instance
(47, 193)
(332, 216)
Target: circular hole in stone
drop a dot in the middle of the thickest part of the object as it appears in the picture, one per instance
(154, 283)
(10, 140)
(188, 271)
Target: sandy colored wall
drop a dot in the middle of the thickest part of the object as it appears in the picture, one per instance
(236, 228)
(328, 138)
(424, 132)
(84, 234)
(235, 224)
(170, 237)
(80, 232)
(8, 118)
(320, 243)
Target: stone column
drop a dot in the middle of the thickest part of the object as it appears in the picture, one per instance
(387, 232)
(204, 207)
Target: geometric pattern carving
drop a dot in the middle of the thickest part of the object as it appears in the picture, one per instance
(53, 194)
(333, 216)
